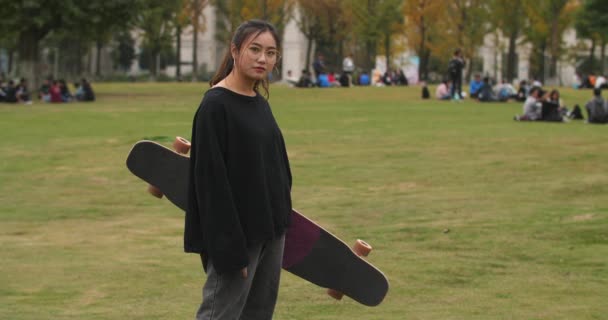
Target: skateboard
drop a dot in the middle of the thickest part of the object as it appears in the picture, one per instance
(311, 252)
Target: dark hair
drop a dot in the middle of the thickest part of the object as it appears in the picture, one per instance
(554, 91)
(597, 92)
(536, 89)
(246, 29)
(457, 52)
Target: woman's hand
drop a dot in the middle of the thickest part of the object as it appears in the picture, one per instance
(244, 272)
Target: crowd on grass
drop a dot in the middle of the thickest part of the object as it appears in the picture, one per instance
(538, 104)
(324, 76)
(51, 91)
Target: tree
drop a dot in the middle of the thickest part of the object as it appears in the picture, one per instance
(156, 22)
(124, 50)
(231, 13)
(507, 15)
(592, 23)
(466, 26)
(33, 20)
(194, 10)
(373, 20)
(547, 21)
(421, 30)
(309, 24)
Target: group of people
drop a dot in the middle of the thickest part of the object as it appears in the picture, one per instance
(590, 81)
(54, 91)
(11, 93)
(57, 91)
(548, 106)
(323, 76)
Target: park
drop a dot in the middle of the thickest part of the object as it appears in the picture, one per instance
(472, 215)
(464, 140)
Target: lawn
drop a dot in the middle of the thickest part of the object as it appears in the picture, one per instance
(471, 214)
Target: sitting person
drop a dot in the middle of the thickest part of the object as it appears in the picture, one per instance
(387, 78)
(88, 93)
(2, 91)
(344, 80)
(66, 95)
(486, 93)
(553, 109)
(475, 85)
(22, 93)
(522, 92)
(577, 113)
(443, 91)
(55, 92)
(425, 91)
(401, 78)
(532, 107)
(323, 81)
(10, 92)
(554, 97)
(600, 82)
(43, 92)
(364, 79)
(331, 78)
(304, 81)
(596, 108)
(291, 79)
(505, 91)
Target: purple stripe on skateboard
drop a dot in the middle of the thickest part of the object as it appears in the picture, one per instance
(299, 240)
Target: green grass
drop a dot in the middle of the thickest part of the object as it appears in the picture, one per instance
(525, 205)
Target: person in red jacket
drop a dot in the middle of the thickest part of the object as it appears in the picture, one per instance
(55, 92)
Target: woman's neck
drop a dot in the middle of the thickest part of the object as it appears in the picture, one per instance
(238, 84)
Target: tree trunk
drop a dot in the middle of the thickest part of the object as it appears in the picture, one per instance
(27, 48)
(98, 59)
(387, 49)
(371, 54)
(195, 22)
(602, 55)
(56, 64)
(308, 50)
(422, 73)
(554, 46)
(11, 55)
(541, 61)
(152, 64)
(592, 56)
(511, 55)
(178, 63)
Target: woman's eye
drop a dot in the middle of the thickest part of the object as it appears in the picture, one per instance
(254, 49)
(271, 54)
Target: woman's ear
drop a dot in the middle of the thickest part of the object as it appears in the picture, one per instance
(233, 51)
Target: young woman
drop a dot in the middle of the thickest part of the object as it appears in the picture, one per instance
(240, 182)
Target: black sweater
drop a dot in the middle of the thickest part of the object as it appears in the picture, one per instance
(240, 180)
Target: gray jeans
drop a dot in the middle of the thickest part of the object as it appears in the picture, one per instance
(232, 297)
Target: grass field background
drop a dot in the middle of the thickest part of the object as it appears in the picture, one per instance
(525, 205)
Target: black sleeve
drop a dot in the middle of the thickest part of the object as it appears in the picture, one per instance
(286, 160)
(226, 242)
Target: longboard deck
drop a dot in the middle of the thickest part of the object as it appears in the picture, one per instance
(311, 252)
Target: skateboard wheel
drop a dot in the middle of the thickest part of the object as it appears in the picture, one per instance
(155, 191)
(335, 294)
(181, 145)
(362, 248)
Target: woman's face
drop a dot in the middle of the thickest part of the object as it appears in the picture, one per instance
(257, 57)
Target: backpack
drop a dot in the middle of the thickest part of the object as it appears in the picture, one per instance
(453, 67)
(595, 108)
